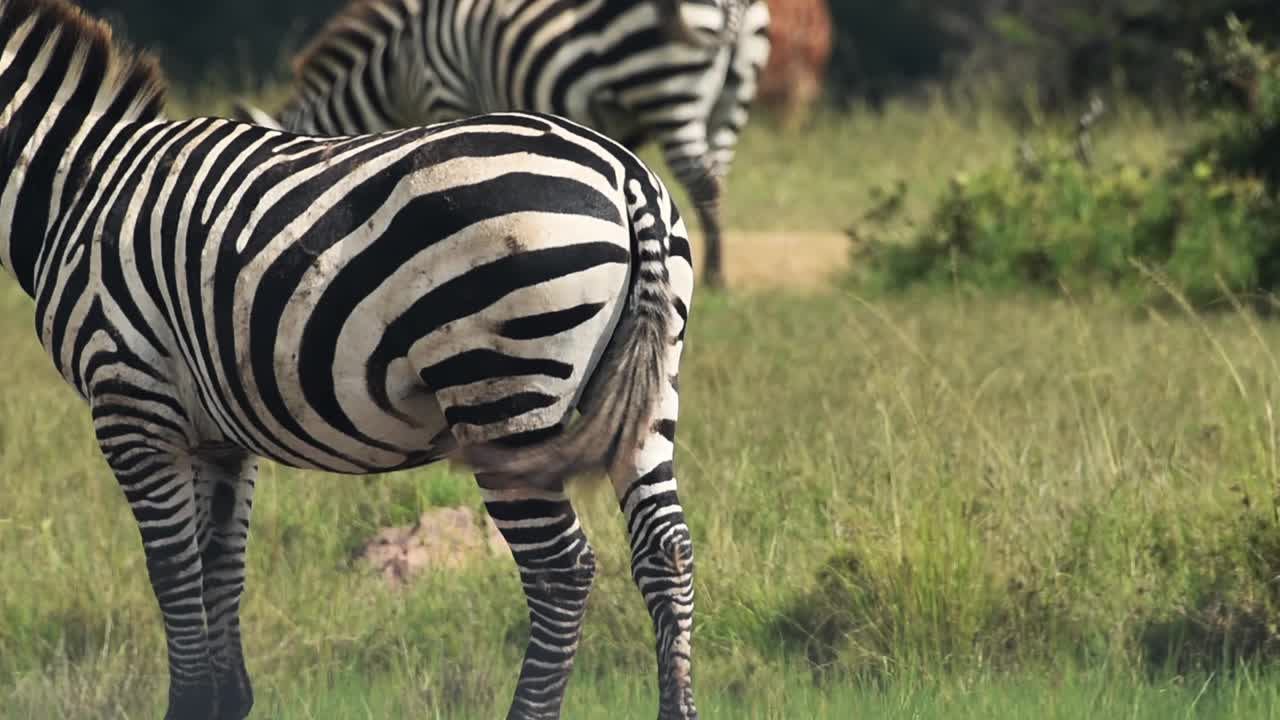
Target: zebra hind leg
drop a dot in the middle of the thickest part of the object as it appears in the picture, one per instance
(699, 178)
(226, 476)
(557, 567)
(158, 480)
(662, 552)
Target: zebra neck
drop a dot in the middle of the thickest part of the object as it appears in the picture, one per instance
(65, 88)
(65, 91)
(50, 170)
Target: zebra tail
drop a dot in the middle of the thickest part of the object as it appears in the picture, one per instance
(678, 29)
(623, 397)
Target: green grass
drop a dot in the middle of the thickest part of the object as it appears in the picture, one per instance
(1021, 507)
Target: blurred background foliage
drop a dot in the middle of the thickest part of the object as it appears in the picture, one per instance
(234, 41)
(1064, 48)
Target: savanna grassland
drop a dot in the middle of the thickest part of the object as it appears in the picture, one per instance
(935, 504)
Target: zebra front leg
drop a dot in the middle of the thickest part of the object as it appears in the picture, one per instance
(227, 477)
(662, 554)
(557, 567)
(158, 481)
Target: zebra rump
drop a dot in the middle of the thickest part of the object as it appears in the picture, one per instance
(618, 407)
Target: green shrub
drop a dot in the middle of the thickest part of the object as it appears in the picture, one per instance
(1237, 84)
(1057, 218)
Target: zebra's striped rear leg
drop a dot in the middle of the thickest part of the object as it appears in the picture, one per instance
(699, 178)
(662, 553)
(706, 198)
(662, 566)
(557, 567)
(159, 483)
(226, 477)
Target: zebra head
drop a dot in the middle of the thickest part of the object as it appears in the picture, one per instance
(63, 84)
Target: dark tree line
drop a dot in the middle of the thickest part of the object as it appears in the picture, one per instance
(224, 39)
(1065, 47)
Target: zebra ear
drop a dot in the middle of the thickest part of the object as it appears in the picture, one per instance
(244, 112)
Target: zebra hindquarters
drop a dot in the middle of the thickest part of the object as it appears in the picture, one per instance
(628, 345)
(509, 375)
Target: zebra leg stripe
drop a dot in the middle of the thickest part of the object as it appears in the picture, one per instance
(662, 566)
(228, 480)
(732, 108)
(692, 166)
(557, 567)
(662, 555)
(159, 484)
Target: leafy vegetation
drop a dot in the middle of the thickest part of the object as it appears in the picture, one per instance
(1063, 216)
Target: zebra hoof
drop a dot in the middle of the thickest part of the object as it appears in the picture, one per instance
(194, 703)
(235, 696)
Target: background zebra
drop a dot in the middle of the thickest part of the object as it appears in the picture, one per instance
(677, 72)
(219, 292)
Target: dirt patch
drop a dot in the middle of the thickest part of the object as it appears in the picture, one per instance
(447, 538)
(778, 259)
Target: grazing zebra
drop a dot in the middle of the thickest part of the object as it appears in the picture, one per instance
(677, 72)
(220, 292)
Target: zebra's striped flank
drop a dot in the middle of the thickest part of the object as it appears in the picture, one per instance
(220, 292)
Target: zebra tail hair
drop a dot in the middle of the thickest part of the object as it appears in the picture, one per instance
(677, 29)
(623, 397)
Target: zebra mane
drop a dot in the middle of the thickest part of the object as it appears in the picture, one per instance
(131, 73)
(355, 15)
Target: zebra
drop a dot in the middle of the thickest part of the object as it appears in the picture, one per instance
(681, 73)
(220, 293)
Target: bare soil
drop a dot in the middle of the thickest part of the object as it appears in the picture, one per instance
(779, 259)
(447, 538)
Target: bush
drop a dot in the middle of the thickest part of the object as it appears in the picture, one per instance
(1056, 218)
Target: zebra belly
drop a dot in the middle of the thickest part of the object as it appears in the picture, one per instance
(410, 433)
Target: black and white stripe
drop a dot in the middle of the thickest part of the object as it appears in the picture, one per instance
(220, 292)
(677, 72)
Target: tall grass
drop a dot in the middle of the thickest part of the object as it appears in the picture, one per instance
(931, 505)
